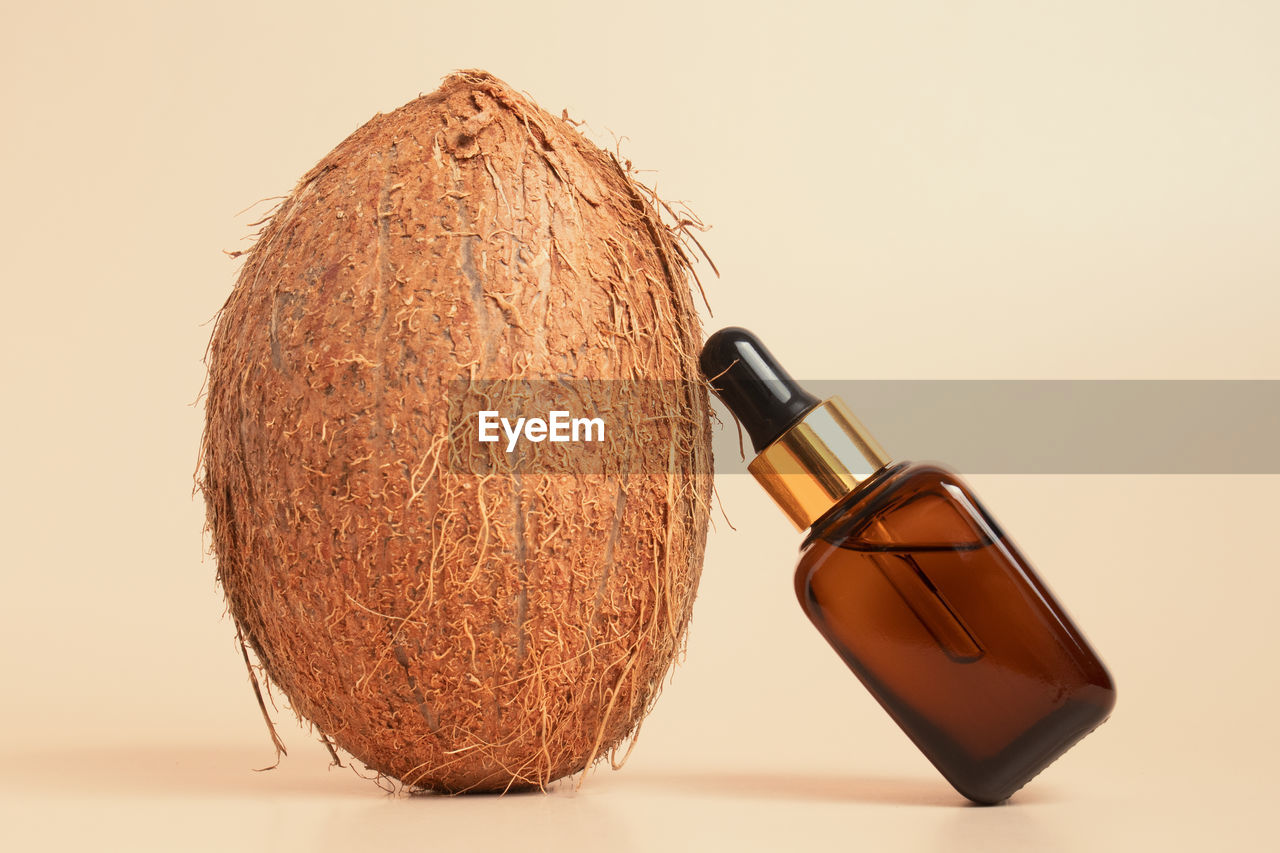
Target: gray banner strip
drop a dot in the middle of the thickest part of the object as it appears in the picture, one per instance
(1060, 426)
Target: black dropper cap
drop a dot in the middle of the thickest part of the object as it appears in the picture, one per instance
(759, 392)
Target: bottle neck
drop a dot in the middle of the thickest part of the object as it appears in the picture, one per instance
(818, 461)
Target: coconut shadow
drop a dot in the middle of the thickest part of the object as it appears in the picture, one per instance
(182, 769)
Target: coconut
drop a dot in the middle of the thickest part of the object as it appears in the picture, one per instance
(453, 615)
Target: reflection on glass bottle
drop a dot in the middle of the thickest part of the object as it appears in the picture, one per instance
(916, 587)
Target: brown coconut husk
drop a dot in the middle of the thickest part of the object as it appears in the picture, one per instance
(456, 617)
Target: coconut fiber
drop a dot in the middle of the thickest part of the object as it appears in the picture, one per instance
(455, 616)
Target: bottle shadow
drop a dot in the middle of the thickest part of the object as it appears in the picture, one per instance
(817, 787)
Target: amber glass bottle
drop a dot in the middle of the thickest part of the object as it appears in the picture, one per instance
(916, 587)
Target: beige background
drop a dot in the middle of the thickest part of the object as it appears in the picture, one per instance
(940, 190)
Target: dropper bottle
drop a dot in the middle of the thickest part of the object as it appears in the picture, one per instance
(915, 586)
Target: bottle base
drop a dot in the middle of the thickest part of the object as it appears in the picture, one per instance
(995, 780)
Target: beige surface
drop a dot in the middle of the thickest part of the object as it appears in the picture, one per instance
(898, 190)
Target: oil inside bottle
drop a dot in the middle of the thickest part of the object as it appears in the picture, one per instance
(948, 626)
